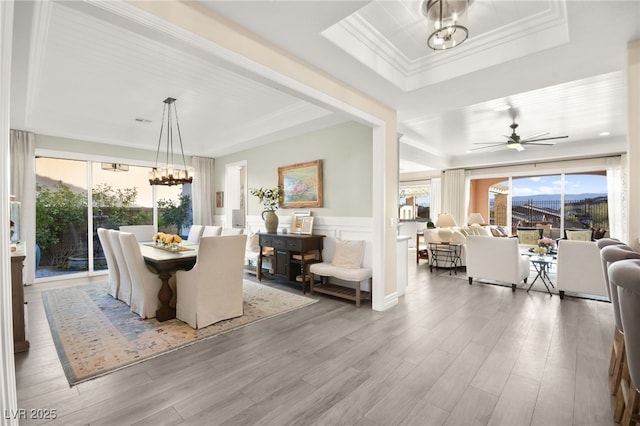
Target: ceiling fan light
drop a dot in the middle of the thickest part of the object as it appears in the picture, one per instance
(446, 22)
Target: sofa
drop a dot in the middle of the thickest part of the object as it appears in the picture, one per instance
(580, 268)
(496, 259)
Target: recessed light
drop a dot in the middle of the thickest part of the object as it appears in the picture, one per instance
(142, 120)
(605, 134)
(502, 108)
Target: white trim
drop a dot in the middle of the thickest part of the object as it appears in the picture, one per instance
(8, 391)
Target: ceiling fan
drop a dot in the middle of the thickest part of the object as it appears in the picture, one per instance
(516, 142)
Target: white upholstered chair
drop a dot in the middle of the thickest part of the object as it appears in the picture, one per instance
(145, 285)
(211, 231)
(142, 232)
(496, 259)
(124, 287)
(212, 290)
(231, 231)
(195, 232)
(580, 268)
(112, 264)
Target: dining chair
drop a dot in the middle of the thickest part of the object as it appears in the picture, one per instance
(211, 231)
(212, 290)
(231, 231)
(112, 265)
(124, 287)
(145, 284)
(195, 232)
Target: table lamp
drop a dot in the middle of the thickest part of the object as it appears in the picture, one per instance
(444, 223)
(475, 219)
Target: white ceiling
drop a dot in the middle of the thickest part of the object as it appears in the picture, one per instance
(87, 70)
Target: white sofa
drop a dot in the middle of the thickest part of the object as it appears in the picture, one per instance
(580, 268)
(496, 259)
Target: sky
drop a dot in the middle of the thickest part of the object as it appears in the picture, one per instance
(574, 184)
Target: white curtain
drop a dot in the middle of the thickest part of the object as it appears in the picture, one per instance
(23, 186)
(435, 205)
(202, 190)
(455, 195)
(617, 187)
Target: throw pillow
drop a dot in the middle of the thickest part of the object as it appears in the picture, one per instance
(253, 242)
(528, 237)
(580, 235)
(349, 253)
(458, 237)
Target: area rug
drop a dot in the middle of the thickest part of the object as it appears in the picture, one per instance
(96, 334)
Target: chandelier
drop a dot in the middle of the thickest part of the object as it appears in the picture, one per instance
(446, 22)
(169, 174)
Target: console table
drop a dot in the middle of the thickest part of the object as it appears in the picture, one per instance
(291, 255)
(20, 343)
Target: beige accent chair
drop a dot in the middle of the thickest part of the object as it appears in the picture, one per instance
(195, 232)
(580, 268)
(496, 259)
(211, 231)
(124, 287)
(212, 290)
(142, 232)
(145, 284)
(112, 265)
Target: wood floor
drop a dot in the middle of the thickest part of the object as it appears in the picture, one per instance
(449, 353)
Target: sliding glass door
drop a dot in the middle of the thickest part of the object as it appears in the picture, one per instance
(68, 215)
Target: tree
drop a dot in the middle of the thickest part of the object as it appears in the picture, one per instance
(57, 211)
(175, 214)
(117, 203)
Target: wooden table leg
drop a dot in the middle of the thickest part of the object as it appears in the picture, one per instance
(165, 312)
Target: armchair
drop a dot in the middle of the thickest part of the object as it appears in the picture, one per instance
(496, 259)
(580, 268)
(212, 290)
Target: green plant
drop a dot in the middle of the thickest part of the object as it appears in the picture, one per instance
(174, 213)
(55, 211)
(269, 197)
(116, 203)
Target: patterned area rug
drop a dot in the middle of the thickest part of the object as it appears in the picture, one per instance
(96, 334)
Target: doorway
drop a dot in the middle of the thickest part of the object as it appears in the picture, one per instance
(235, 206)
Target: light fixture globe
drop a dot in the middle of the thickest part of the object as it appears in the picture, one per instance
(446, 22)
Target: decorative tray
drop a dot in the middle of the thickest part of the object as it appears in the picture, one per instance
(172, 249)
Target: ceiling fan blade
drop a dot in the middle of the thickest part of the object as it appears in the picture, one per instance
(537, 135)
(546, 139)
(539, 143)
(488, 143)
(501, 144)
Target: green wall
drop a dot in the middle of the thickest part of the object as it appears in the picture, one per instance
(346, 151)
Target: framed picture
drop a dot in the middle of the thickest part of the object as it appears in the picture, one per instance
(220, 199)
(307, 225)
(301, 184)
(296, 220)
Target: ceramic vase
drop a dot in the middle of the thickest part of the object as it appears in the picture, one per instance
(270, 221)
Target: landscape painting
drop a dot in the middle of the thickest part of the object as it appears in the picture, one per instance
(302, 184)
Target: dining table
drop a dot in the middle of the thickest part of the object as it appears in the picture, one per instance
(165, 262)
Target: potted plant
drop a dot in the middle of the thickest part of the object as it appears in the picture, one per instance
(270, 198)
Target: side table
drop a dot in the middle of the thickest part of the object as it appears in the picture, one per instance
(446, 253)
(542, 266)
